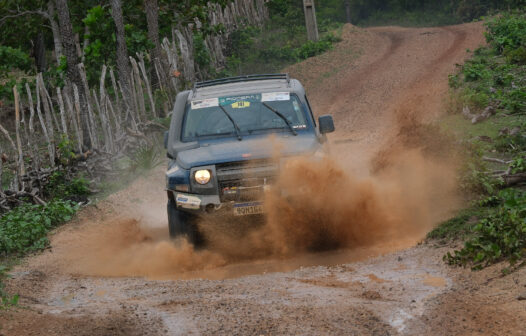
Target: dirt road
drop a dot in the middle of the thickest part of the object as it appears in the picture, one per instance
(113, 272)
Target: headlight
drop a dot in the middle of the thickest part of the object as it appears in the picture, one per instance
(202, 176)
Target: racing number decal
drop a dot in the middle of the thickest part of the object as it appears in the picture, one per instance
(241, 104)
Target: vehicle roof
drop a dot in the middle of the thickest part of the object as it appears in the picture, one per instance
(246, 87)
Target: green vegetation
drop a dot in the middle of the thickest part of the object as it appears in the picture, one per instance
(62, 187)
(499, 235)
(25, 228)
(14, 66)
(494, 227)
(496, 75)
(101, 34)
(411, 12)
(6, 300)
(145, 158)
(281, 42)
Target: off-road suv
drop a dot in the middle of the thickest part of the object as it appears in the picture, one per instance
(222, 159)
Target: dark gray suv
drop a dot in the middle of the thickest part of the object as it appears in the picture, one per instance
(221, 156)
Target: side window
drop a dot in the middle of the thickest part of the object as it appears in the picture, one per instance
(310, 109)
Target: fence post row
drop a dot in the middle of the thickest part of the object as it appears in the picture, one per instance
(112, 124)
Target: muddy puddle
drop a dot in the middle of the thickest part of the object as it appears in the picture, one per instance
(337, 216)
(121, 248)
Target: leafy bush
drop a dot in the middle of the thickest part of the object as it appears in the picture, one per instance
(501, 235)
(271, 48)
(60, 186)
(507, 33)
(13, 58)
(101, 49)
(496, 75)
(25, 228)
(511, 143)
(518, 165)
(474, 177)
(310, 48)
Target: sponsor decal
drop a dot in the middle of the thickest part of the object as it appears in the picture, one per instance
(200, 104)
(187, 201)
(275, 96)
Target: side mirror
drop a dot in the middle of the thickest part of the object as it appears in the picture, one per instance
(166, 140)
(326, 124)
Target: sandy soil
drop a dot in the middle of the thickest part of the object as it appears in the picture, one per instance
(112, 271)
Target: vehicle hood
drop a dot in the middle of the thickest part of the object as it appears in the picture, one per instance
(255, 147)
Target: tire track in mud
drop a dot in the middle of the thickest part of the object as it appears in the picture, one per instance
(355, 81)
(424, 94)
(444, 58)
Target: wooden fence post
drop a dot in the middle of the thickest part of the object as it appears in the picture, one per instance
(310, 20)
(20, 166)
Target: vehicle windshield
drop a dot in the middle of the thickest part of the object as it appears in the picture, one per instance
(249, 113)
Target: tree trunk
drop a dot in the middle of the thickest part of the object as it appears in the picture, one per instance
(55, 30)
(70, 51)
(39, 52)
(152, 17)
(123, 63)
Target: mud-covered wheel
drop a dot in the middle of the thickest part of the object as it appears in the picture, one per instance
(181, 224)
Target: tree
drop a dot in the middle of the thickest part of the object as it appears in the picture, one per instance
(73, 71)
(23, 21)
(123, 62)
(151, 8)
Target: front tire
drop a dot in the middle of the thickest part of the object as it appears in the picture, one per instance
(181, 224)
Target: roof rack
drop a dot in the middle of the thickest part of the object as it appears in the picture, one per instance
(245, 78)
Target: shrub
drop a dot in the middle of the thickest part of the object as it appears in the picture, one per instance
(60, 186)
(511, 143)
(145, 158)
(501, 235)
(25, 228)
(507, 32)
(474, 177)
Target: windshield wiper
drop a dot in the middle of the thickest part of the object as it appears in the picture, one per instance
(279, 114)
(197, 135)
(238, 131)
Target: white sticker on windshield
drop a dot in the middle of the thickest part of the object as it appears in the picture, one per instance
(199, 104)
(275, 96)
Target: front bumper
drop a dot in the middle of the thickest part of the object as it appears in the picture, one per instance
(208, 204)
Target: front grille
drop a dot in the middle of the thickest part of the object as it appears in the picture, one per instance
(245, 181)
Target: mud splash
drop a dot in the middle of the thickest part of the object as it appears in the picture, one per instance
(325, 207)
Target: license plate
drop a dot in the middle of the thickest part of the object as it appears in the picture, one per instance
(244, 209)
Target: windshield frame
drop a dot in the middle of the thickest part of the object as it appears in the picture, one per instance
(285, 129)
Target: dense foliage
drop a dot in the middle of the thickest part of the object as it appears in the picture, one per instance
(495, 226)
(13, 58)
(499, 235)
(496, 75)
(25, 228)
(405, 12)
(266, 50)
(24, 22)
(282, 41)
